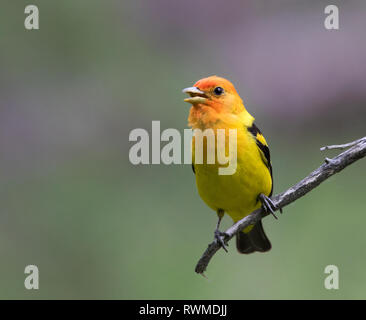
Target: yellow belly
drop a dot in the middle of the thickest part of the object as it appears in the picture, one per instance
(236, 194)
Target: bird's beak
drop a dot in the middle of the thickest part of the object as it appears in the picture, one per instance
(196, 95)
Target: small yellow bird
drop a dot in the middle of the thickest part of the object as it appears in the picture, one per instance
(217, 105)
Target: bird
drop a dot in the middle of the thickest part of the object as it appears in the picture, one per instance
(215, 104)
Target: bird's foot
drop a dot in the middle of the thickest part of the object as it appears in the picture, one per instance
(268, 205)
(220, 236)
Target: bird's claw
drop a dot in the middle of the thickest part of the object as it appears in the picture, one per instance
(268, 205)
(219, 236)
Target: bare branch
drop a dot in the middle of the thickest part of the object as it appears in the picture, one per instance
(330, 167)
(343, 146)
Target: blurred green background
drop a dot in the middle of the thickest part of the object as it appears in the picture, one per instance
(99, 227)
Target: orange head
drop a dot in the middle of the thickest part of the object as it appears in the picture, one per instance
(216, 94)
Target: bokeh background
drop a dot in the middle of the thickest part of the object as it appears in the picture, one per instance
(99, 227)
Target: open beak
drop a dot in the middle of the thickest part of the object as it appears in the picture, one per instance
(196, 95)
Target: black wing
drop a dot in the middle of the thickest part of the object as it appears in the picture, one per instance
(263, 147)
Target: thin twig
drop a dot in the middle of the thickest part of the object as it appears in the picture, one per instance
(327, 169)
(343, 146)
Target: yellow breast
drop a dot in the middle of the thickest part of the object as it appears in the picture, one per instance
(236, 194)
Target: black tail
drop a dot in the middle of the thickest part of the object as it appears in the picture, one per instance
(254, 240)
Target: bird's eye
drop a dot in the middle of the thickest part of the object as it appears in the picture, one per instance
(218, 91)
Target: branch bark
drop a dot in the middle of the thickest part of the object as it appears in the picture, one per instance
(356, 151)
